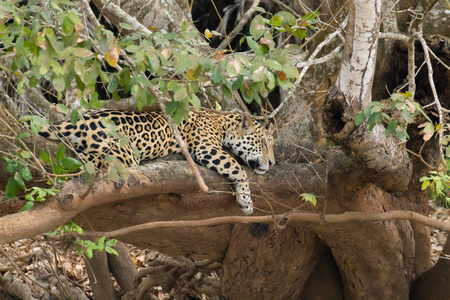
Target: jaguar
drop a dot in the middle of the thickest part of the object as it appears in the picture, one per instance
(205, 135)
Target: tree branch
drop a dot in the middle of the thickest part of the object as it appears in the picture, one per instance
(292, 218)
(156, 178)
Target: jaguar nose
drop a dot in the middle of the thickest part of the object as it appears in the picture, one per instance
(254, 164)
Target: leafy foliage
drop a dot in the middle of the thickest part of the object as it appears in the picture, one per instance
(309, 198)
(50, 45)
(21, 173)
(439, 184)
(88, 246)
(59, 165)
(397, 117)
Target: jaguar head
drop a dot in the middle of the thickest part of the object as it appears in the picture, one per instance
(254, 145)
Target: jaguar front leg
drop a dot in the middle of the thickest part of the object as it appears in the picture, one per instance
(220, 161)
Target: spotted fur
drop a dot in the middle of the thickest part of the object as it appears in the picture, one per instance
(205, 137)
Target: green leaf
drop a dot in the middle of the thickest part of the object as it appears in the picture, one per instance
(19, 180)
(144, 81)
(286, 18)
(259, 74)
(45, 157)
(113, 84)
(73, 17)
(89, 253)
(195, 101)
(397, 97)
(33, 81)
(123, 142)
(62, 108)
(237, 84)
(27, 206)
(390, 130)
(94, 102)
(216, 77)
(179, 115)
(70, 163)
(233, 68)
(241, 40)
(74, 117)
(111, 250)
(254, 46)
(141, 98)
(257, 98)
(67, 26)
(20, 89)
(172, 106)
(407, 116)
(113, 175)
(111, 242)
(290, 70)
(11, 189)
(309, 198)
(24, 154)
(109, 124)
(429, 129)
(226, 91)
(425, 185)
(310, 16)
(257, 27)
(22, 135)
(133, 48)
(246, 94)
(274, 65)
(172, 85)
(126, 26)
(50, 35)
(401, 134)
(179, 63)
(90, 168)
(359, 118)
(292, 49)
(7, 7)
(180, 94)
(60, 153)
(26, 174)
(10, 165)
(137, 153)
(300, 33)
(82, 52)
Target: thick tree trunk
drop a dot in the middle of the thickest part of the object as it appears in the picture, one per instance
(356, 260)
(434, 283)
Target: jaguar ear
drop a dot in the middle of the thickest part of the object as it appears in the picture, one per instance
(246, 122)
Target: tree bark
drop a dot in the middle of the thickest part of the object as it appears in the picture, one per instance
(99, 276)
(123, 268)
(433, 284)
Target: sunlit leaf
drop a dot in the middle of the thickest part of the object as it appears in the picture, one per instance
(208, 33)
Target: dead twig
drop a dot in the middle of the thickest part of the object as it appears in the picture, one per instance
(182, 145)
(239, 26)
